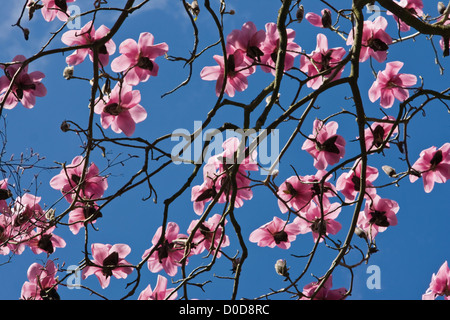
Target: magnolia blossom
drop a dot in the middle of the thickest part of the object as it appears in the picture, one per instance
(216, 175)
(433, 165)
(391, 85)
(5, 193)
(138, 59)
(320, 21)
(93, 186)
(108, 260)
(378, 132)
(294, 193)
(320, 65)
(208, 235)
(169, 253)
(349, 183)
(378, 215)
(54, 9)
(43, 240)
(42, 283)
(415, 7)
(271, 46)
(121, 109)
(275, 233)
(375, 40)
(320, 223)
(86, 36)
(81, 214)
(326, 147)
(249, 40)
(160, 292)
(26, 86)
(237, 72)
(439, 285)
(325, 292)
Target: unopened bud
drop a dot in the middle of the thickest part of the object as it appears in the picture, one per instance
(5, 194)
(26, 33)
(65, 126)
(389, 171)
(232, 12)
(68, 72)
(441, 7)
(326, 19)
(50, 214)
(281, 269)
(195, 8)
(360, 233)
(300, 13)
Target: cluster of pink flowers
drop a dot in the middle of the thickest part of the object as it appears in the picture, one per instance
(246, 49)
(439, 285)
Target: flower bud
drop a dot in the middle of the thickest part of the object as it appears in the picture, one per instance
(326, 19)
(300, 13)
(441, 7)
(65, 126)
(281, 269)
(68, 72)
(389, 171)
(360, 233)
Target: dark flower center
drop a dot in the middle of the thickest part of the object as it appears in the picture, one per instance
(356, 182)
(109, 263)
(61, 4)
(163, 250)
(290, 190)
(145, 63)
(437, 158)
(377, 45)
(280, 236)
(49, 294)
(231, 68)
(328, 145)
(379, 218)
(45, 243)
(5, 194)
(319, 226)
(113, 109)
(378, 136)
(254, 53)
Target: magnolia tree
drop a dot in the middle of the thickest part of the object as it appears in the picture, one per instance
(322, 183)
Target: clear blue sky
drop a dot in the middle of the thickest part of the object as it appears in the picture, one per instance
(409, 252)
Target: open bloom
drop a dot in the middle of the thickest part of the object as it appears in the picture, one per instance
(160, 292)
(375, 40)
(43, 240)
(391, 85)
(321, 64)
(121, 110)
(275, 233)
(138, 59)
(378, 215)
(319, 227)
(325, 292)
(295, 194)
(88, 35)
(81, 214)
(378, 132)
(217, 175)
(169, 253)
(271, 46)
(237, 72)
(415, 7)
(326, 147)
(433, 165)
(26, 86)
(208, 235)
(42, 282)
(54, 9)
(69, 178)
(349, 183)
(109, 260)
(249, 40)
(439, 285)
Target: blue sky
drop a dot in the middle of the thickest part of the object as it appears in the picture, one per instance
(409, 252)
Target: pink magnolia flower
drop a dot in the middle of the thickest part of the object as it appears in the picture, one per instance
(208, 235)
(81, 214)
(6, 246)
(26, 86)
(5, 193)
(378, 215)
(433, 165)
(160, 292)
(43, 240)
(121, 110)
(167, 255)
(442, 41)
(54, 9)
(275, 233)
(249, 40)
(349, 183)
(138, 59)
(319, 227)
(320, 64)
(375, 40)
(320, 21)
(270, 49)
(68, 179)
(237, 72)
(391, 85)
(439, 285)
(42, 283)
(326, 147)
(109, 260)
(86, 36)
(216, 174)
(378, 132)
(415, 7)
(325, 292)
